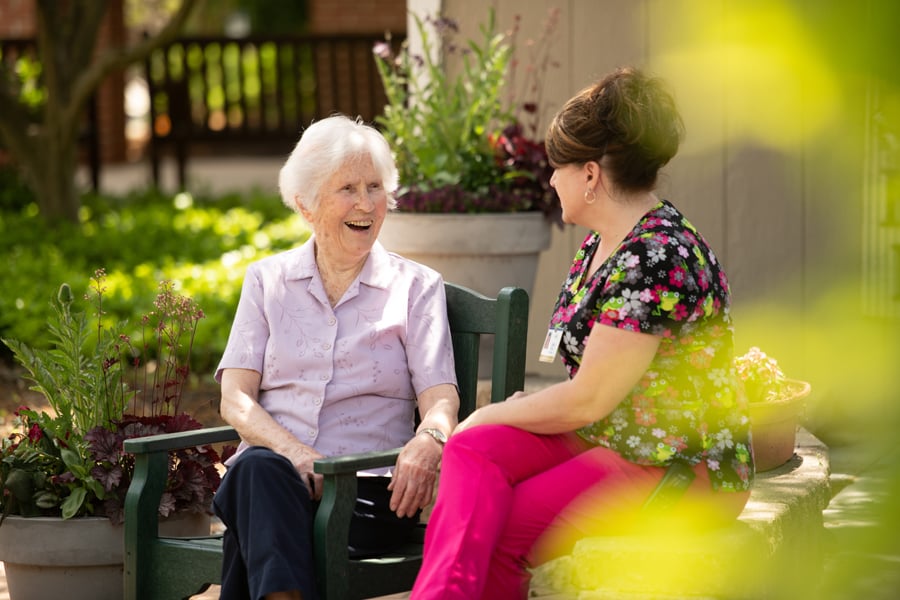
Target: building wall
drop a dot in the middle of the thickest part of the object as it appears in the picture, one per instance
(775, 190)
(17, 18)
(357, 16)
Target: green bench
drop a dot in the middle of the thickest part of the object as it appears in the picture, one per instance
(168, 568)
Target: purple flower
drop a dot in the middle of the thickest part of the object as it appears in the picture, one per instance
(382, 50)
(446, 25)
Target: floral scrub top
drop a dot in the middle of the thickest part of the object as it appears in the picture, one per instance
(664, 280)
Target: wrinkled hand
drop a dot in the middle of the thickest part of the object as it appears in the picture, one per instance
(303, 457)
(414, 477)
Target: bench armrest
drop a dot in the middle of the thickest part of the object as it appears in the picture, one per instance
(351, 463)
(166, 442)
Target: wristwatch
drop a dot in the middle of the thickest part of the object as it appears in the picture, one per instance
(437, 434)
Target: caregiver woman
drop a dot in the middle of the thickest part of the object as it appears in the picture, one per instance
(643, 327)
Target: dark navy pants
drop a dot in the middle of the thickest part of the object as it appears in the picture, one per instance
(268, 516)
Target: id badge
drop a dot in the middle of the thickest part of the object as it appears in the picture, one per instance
(551, 345)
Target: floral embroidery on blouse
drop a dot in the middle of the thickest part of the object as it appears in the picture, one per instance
(665, 280)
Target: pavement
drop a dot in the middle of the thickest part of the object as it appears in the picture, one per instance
(862, 557)
(205, 174)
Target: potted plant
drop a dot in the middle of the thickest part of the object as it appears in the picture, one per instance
(776, 404)
(474, 180)
(64, 475)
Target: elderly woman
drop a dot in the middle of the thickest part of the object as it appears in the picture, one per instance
(643, 327)
(333, 346)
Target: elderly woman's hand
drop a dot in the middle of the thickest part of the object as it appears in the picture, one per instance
(414, 477)
(303, 457)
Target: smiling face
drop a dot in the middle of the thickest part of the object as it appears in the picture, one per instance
(350, 210)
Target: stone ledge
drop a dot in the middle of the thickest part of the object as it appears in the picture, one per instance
(773, 551)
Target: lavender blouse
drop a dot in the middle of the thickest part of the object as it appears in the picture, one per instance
(343, 379)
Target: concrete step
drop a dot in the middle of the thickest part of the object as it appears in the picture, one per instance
(861, 523)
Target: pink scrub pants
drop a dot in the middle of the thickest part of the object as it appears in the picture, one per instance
(509, 499)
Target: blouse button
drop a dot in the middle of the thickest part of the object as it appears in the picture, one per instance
(326, 347)
(332, 321)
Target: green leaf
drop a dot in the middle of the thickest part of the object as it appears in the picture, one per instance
(73, 503)
(46, 500)
(20, 484)
(70, 458)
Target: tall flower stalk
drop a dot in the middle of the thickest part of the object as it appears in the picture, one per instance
(527, 97)
(439, 125)
(173, 321)
(70, 462)
(458, 142)
(84, 389)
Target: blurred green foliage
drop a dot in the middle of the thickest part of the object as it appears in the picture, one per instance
(202, 245)
(14, 193)
(237, 82)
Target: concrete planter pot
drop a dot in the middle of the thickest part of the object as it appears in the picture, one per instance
(75, 559)
(484, 252)
(774, 425)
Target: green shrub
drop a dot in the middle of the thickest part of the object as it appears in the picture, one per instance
(14, 194)
(201, 245)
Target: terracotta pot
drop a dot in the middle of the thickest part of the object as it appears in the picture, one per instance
(75, 559)
(774, 425)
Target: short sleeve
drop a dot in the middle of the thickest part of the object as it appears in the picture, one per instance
(429, 348)
(653, 286)
(250, 329)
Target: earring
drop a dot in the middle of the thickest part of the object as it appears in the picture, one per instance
(593, 196)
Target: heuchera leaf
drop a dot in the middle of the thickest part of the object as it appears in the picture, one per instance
(166, 504)
(108, 478)
(104, 445)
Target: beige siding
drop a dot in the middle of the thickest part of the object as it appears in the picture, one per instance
(781, 204)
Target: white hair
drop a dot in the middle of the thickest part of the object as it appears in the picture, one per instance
(324, 147)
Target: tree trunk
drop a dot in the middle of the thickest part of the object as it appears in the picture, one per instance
(71, 72)
(53, 179)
